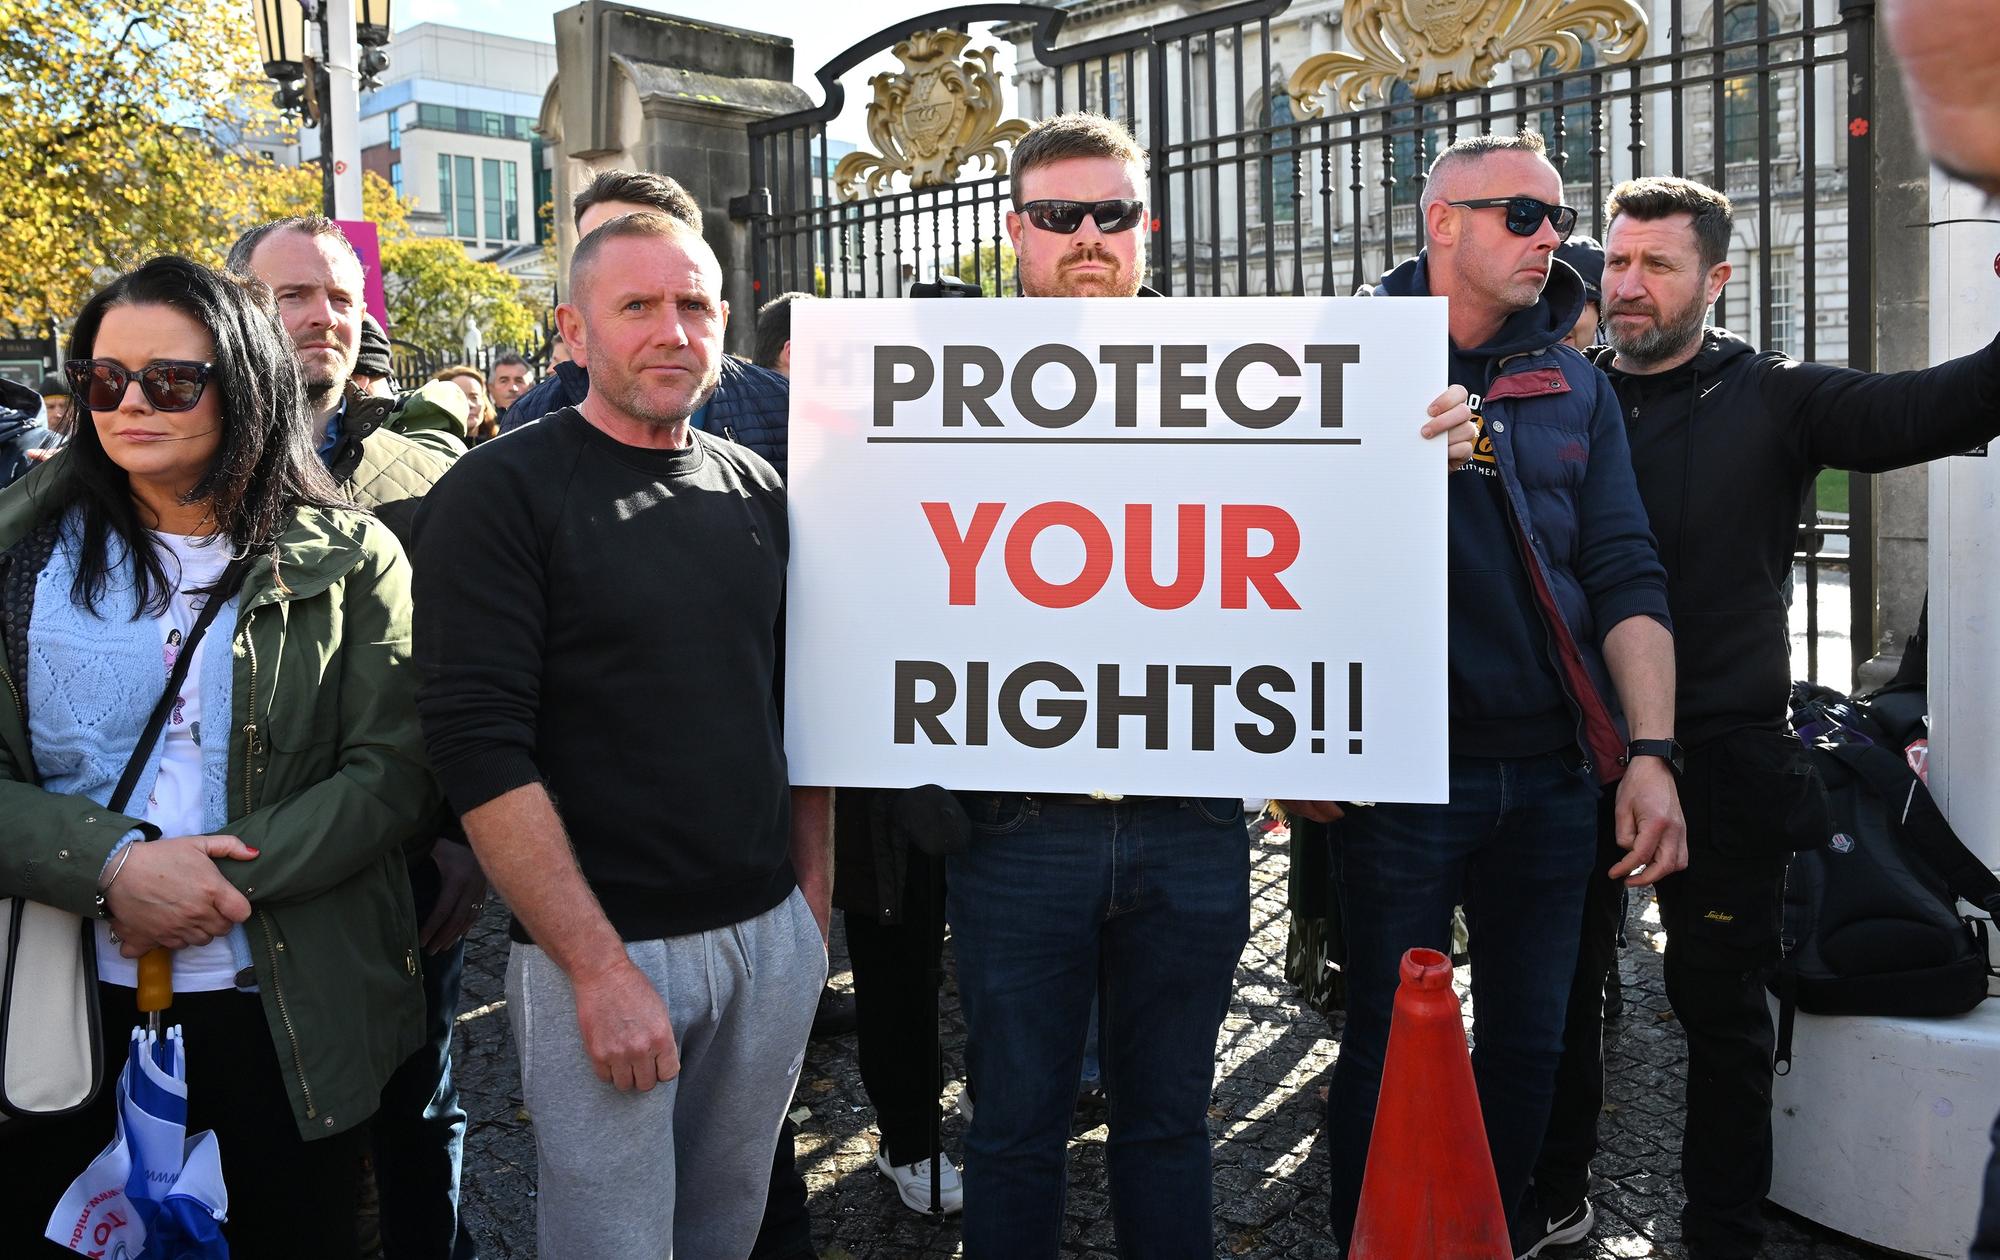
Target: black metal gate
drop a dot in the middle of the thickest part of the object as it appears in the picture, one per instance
(1251, 193)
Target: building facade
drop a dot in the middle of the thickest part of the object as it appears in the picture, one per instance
(452, 128)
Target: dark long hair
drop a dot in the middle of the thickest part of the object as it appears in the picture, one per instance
(267, 466)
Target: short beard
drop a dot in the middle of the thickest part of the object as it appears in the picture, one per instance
(1662, 341)
(323, 396)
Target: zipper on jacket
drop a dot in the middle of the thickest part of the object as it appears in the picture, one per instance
(285, 1015)
(251, 742)
(20, 705)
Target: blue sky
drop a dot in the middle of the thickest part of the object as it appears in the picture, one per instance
(817, 36)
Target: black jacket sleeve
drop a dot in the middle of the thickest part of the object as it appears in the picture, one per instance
(1876, 421)
(481, 618)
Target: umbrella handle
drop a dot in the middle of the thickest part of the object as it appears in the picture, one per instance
(156, 980)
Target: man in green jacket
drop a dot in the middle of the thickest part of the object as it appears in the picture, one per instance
(387, 453)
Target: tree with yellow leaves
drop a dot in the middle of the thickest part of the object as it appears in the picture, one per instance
(120, 132)
(122, 135)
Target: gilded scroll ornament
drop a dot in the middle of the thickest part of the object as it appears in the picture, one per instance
(936, 116)
(1440, 46)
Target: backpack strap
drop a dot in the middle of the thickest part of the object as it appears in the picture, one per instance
(1919, 821)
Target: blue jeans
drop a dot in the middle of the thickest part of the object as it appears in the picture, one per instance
(1146, 906)
(1515, 845)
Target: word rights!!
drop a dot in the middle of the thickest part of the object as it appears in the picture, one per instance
(1184, 546)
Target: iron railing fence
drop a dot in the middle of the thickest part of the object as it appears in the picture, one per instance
(1251, 195)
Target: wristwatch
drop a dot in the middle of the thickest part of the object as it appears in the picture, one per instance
(1667, 750)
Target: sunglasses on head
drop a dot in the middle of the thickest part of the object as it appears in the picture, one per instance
(1067, 216)
(1525, 214)
(168, 384)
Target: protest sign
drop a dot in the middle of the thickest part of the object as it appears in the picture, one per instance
(1188, 547)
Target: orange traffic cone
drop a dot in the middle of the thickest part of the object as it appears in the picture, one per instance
(1429, 1192)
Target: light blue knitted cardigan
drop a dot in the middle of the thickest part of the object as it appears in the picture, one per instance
(93, 679)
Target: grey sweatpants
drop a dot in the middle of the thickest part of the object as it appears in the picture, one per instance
(679, 1172)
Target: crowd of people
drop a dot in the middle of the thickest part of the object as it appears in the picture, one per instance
(552, 668)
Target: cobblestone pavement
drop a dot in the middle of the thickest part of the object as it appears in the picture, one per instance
(1274, 1061)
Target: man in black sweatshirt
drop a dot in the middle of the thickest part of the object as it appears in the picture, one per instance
(1726, 442)
(601, 633)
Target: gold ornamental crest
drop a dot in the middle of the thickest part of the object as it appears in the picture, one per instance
(1440, 46)
(932, 119)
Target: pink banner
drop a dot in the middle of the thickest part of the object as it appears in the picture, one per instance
(362, 235)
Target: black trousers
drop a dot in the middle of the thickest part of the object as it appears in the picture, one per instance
(418, 1136)
(895, 995)
(786, 1233)
(1723, 916)
(287, 1197)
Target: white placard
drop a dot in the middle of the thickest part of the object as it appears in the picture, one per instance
(1188, 546)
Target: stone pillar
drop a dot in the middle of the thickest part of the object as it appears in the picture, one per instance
(650, 91)
(1902, 245)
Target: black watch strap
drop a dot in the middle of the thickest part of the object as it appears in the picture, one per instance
(1667, 750)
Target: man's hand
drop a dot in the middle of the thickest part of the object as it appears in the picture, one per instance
(461, 896)
(1451, 416)
(1318, 811)
(625, 1028)
(1650, 827)
(168, 893)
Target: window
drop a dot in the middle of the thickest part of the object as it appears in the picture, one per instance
(1096, 99)
(1783, 302)
(545, 184)
(444, 189)
(1742, 97)
(1407, 168)
(1278, 174)
(396, 177)
(489, 173)
(395, 129)
(1573, 157)
(468, 207)
(511, 202)
(475, 122)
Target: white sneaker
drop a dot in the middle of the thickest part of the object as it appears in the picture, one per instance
(913, 1183)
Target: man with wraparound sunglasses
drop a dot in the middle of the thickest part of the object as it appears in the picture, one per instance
(1556, 599)
(1141, 902)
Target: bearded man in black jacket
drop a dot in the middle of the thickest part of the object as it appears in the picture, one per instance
(1726, 442)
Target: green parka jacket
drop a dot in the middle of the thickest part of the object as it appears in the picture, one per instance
(327, 781)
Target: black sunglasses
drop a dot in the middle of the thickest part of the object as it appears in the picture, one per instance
(1067, 216)
(168, 384)
(1525, 214)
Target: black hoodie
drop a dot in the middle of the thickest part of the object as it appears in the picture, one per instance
(1726, 448)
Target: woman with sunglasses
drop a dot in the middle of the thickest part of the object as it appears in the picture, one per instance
(261, 841)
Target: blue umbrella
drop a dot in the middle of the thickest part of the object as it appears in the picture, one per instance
(155, 1193)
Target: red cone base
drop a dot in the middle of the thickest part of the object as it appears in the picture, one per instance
(1429, 1192)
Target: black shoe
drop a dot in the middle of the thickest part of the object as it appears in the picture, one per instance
(1562, 1227)
(835, 1016)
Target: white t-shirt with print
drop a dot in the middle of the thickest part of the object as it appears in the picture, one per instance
(175, 805)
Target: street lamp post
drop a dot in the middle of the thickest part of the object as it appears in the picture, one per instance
(325, 92)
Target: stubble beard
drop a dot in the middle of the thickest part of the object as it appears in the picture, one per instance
(630, 398)
(1659, 342)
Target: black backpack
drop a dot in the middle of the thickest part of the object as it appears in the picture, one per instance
(1872, 925)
